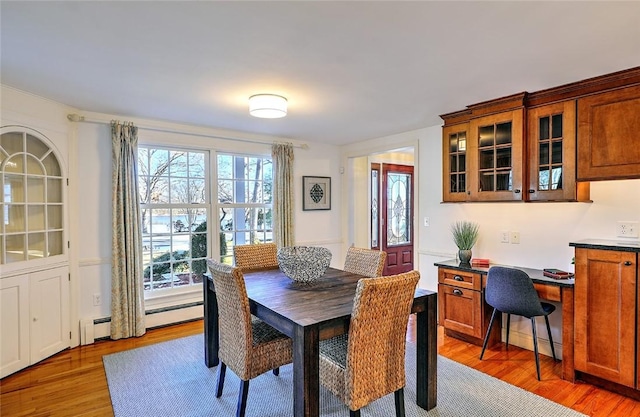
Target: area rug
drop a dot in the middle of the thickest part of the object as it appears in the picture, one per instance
(170, 379)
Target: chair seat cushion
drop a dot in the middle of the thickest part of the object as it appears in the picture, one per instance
(548, 308)
(335, 350)
(263, 333)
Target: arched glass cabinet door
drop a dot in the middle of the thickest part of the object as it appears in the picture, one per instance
(32, 197)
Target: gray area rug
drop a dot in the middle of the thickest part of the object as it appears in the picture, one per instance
(171, 379)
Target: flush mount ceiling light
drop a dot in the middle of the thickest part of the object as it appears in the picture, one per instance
(267, 106)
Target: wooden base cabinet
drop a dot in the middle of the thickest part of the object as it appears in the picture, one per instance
(606, 315)
(462, 310)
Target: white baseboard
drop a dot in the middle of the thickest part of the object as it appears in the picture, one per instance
(525, 341)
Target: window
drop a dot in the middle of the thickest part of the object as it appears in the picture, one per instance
(31, 199)
(244, 202)
(175, 204)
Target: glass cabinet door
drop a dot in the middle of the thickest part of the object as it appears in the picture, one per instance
(496, 146)
(455, 163)
(552, 148)
(32, 201)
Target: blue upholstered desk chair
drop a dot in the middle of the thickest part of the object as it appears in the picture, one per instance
(511, 291)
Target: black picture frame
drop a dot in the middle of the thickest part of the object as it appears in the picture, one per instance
(316, 193)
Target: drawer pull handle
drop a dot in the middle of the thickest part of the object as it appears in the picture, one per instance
(458, 278)
(627, 263)
(457, 292)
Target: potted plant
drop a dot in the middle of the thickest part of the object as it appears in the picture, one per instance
(465, 235)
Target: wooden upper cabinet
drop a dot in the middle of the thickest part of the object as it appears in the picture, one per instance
(551, 156)
(483, 151)
(608, 133)
(546, 145)
(455, 140)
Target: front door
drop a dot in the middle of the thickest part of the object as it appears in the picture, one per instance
(392, 215)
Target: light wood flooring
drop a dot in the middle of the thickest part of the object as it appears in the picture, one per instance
(73, 382)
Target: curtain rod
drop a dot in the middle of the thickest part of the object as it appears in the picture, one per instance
(74, 117)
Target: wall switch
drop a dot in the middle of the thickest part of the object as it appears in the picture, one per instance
(427, 222)
(97, 300)
(515, 238)
(504, 237)
(627, 229)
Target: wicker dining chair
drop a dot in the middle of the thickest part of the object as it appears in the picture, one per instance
(256, 256)
(367, 262)
(368, 363)
(248, 346)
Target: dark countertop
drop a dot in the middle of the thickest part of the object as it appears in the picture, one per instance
(535, 274)
(619, 245)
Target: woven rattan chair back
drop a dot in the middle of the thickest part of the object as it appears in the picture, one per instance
(257, 256)
(376, 343)
(235, 318)
(367, 262)
(248, 346)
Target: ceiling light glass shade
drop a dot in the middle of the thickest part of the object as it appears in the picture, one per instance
(268, 106)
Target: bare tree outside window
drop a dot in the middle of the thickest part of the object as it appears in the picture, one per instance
(174, 207)
(244, 202)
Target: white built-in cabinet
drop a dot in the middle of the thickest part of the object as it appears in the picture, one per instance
(34, 317)
(34, 270)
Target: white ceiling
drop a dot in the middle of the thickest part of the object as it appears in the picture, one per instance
(351, 70)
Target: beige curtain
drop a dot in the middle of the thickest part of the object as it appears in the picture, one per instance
(127, 294)
(282, 154)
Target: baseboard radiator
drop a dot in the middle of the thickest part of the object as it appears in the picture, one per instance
(92, 330)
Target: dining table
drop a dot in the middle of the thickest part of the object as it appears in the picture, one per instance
(312, 312)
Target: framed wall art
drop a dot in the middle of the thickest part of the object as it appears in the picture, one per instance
(316, 193)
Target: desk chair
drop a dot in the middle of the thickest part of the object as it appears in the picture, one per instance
(368, 363)
(367, 262)
(249, 346)
(257, 256)
(511, 291)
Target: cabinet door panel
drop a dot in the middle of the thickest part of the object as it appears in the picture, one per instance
(607, 125)
(495, 157)
(455, 169)
(14, 324)
(605, 313)
(461, 310)
(49, 312)
(552, 148)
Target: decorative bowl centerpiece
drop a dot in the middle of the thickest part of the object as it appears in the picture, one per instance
(304, 264)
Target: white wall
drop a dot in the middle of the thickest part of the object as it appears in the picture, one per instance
(85, 149)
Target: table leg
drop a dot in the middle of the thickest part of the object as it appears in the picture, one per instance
(427, 355)
(306, 372)
(211, 335)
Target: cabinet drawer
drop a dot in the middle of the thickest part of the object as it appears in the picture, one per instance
(461, 279)
(547, 292)
(461, 310)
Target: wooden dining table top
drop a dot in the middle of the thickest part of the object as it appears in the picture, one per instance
(330, 297)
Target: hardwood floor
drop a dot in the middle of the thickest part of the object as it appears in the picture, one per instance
(73, 382)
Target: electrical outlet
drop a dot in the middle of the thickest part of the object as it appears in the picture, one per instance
(504, 237)
(515, 238)
(97, 300)
(627, 229)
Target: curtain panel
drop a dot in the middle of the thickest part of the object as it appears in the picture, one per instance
(127, 293)
(282, 155)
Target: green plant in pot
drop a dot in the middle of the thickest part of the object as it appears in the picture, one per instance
(465, 235)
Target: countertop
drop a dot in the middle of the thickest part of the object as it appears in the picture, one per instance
(606, 244)
(535, 274)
